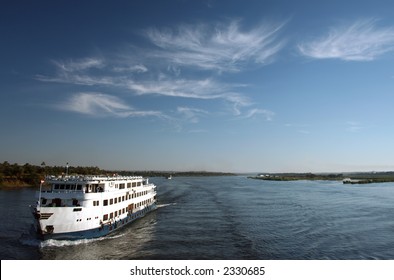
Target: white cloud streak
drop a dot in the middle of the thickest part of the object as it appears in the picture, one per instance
(360, 41)
(139, 68)
(159, 70)
(191, 114)
(254, 112)
(224, 48)
(354, 126)
(79, 65)
(103, 105)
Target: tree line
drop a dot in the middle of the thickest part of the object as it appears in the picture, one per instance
(28, 174)
(31, 175)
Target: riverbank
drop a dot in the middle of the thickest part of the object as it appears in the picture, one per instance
(27, 175)
(346, 178)
(15, 184)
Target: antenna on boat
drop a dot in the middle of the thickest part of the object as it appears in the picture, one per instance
(39, 196)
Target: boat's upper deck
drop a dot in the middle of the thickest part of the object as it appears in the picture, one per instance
(94, 184)
(90, 178)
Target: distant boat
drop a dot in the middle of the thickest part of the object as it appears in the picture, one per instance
(356, 181)
(169, 177)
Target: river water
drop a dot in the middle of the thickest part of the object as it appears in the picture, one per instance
(227, 218)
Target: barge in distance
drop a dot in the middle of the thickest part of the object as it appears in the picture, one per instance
(83, 207)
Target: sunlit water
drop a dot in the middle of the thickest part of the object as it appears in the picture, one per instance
(227, 218)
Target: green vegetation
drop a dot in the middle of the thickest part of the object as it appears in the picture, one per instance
(172, 173)
(347, 178)
(12, 175)
(297, 176)
(30, 175)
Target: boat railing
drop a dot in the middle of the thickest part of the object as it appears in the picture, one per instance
(82, 178)
(62, 191)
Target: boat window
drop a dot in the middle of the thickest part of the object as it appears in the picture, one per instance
(128, 185)
(121, 186)
(134, 184)
(79, 187)
(62, 187)
(57, 202)
(138, 184)
(111, 201)
(111, 215)
(105, 202)
(105, 217)
(77, 209)
(56, 187)
(116, 200)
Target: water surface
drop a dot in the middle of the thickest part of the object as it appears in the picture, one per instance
(228, 218)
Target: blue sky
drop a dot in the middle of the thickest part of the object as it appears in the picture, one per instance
(240, 86)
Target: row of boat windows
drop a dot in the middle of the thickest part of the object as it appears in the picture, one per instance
(120, 198)
(129, 185)
(88, 219)
(94, 187)
(116, 214)
(119, 212)
(57, 202)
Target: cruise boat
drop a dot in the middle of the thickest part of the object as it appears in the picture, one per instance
(79, 207)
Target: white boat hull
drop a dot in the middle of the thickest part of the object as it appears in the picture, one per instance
(91, 207)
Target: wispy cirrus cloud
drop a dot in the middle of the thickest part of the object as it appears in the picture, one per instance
(224, 47)
(191, 114)
(353, 126)
(188, 88)
(79, 65)
(102, 105)
(87, 71)
(158, 70)
(164, 85)
(268, 115)
(78, 79)
(362, 40)
(139, 68)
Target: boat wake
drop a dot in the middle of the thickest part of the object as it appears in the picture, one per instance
(29, 240)
(165, 205)
(64, 243)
